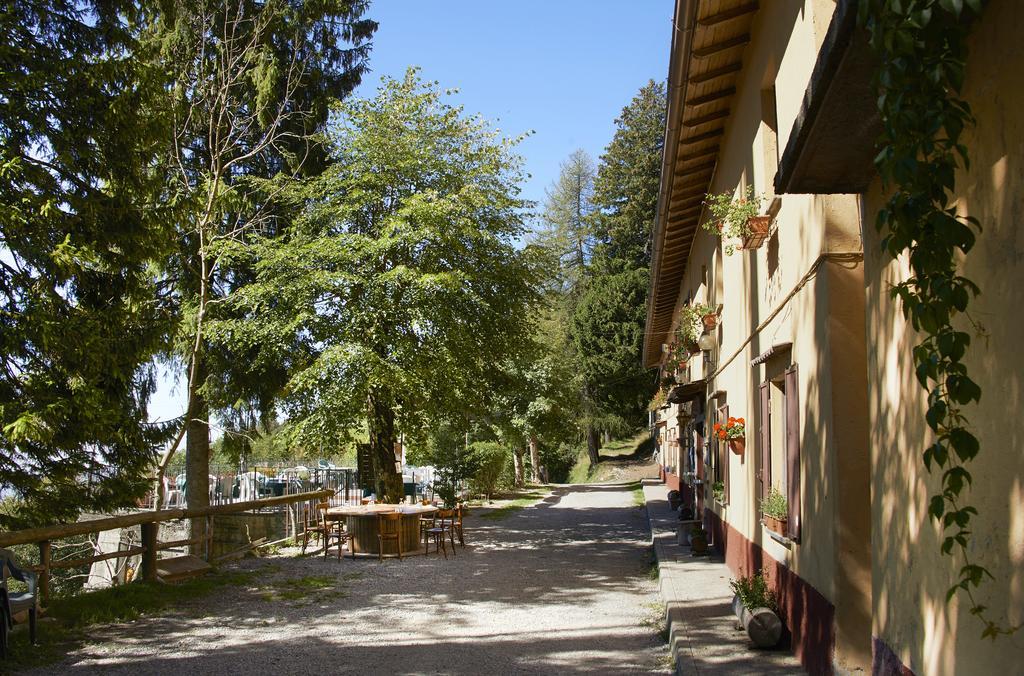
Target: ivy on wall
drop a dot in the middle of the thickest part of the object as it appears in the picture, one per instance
(921, 46)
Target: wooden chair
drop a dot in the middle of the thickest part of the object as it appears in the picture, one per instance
(16, 602)
(457, 525)
(446, 517)
(389, 527)
(333, 529)
(311, 526)
(432, 530)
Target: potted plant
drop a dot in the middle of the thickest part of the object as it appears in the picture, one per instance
(659, 400)
(738, 218)
(689, 329)
(757, 608)
(718, 490)
(734, 432)
(698, 540)
(775, 511)
(708, 315)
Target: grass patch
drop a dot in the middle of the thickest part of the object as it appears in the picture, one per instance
(582, 471)
(653, 571)
(311, 588)
(625, 447)
(66, 618)
(614, 453)
(656, 619)
(521, 501)
(639, 499)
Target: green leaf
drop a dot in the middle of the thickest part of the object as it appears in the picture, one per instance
(964, 443)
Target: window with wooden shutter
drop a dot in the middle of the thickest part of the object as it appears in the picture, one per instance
(765, 439)
(721, 454)
(793, 452)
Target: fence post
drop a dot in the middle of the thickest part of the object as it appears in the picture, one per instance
(149, 531)
(209, 537)
(44, 576)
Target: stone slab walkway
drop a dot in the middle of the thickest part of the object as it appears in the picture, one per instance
(702, 627)
(558, 588)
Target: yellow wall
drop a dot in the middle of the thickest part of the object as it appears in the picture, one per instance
(824, 321)
(910, 576)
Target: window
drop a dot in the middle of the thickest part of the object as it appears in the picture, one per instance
(779, 440)
(719, 454)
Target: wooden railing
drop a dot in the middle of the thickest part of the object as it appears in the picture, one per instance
(149, 524)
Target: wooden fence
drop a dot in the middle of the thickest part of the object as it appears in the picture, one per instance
(149, 523)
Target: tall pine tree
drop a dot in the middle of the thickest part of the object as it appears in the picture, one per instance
(80, 219)
(608, 318)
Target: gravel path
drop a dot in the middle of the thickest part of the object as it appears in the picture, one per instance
(558, 588)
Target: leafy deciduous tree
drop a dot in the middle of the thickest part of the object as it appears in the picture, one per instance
(401, 280)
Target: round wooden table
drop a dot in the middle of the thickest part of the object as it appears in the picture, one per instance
(363, 526)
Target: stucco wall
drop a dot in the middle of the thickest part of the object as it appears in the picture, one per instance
(910, 577)
(824, 321)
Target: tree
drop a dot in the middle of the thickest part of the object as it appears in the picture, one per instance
(607, 319)
(607, 331)
(628, 181)
(567, 230)
(400, 283)
(79, 221)
(249, 85)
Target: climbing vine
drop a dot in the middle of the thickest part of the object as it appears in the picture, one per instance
(921, 48)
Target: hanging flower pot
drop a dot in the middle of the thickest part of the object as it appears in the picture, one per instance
(710, 321)
(757, 227)
(734, 433)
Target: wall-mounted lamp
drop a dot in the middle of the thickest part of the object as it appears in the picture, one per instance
(707, 342)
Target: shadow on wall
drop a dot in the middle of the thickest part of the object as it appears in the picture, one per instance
(911, 576)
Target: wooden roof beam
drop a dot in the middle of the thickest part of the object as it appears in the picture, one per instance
(715, 73)
(704, 119)
(711, 97)
(714, 133)
(697, 154)
(717, 47)
(728, 14)
(698, 169)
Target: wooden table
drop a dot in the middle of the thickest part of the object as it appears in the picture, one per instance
(363, 526)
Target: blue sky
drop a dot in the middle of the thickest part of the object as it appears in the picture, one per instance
(563, 69)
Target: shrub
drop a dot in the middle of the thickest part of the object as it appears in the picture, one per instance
(754, 592)
(492, 461)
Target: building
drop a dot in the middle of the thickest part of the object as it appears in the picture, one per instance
(811, 350)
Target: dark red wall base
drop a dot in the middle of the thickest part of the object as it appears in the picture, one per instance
(671, 480)
(808, 616)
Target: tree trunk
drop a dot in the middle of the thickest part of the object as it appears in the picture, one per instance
(593, 446)
(534, 459)
(386, 479)
(518, 453)
(197, 455)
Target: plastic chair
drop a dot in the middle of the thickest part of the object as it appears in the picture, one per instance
(15, 602)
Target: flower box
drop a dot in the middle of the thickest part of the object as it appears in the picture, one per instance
(773, 524)
(757, 227)
(737, 445)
